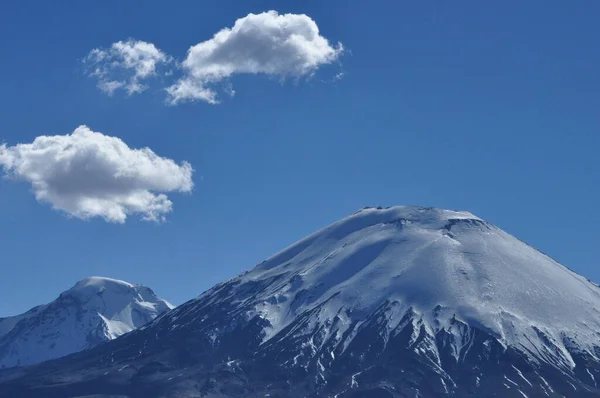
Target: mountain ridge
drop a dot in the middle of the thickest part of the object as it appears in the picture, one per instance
(387, 302)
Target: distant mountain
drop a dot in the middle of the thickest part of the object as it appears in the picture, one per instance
(396, 302)
(93, 311)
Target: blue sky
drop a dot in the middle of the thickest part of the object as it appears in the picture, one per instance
(491, 108)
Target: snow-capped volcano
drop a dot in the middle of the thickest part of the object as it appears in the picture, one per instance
(93, 311)
(449, 263)
(395, 302)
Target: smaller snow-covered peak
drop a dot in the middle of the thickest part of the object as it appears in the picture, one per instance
(91, 288)
(94, 310)
(99, 282)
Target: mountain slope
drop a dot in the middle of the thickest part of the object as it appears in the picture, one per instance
(397, 302)
(8, 323)
(95, 310)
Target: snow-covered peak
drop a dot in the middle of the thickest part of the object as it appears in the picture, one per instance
(94, 310)
(433, 261)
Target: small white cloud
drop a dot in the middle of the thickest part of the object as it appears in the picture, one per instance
(125, 65)
(287, 45)
(88, 174)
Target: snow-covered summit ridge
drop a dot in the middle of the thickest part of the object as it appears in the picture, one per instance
(431, 261)
(94, 310)
(428, 217)
(99, 283)
(86, 289)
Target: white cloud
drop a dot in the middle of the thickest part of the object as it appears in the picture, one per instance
(287, 45)
(88, 174)
(125, 65)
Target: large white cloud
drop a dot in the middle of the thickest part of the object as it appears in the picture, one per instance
(287, 45)
(125, 65)
(88, 174)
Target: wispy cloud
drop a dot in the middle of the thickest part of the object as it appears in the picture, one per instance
(125, 65)
(88, 174)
